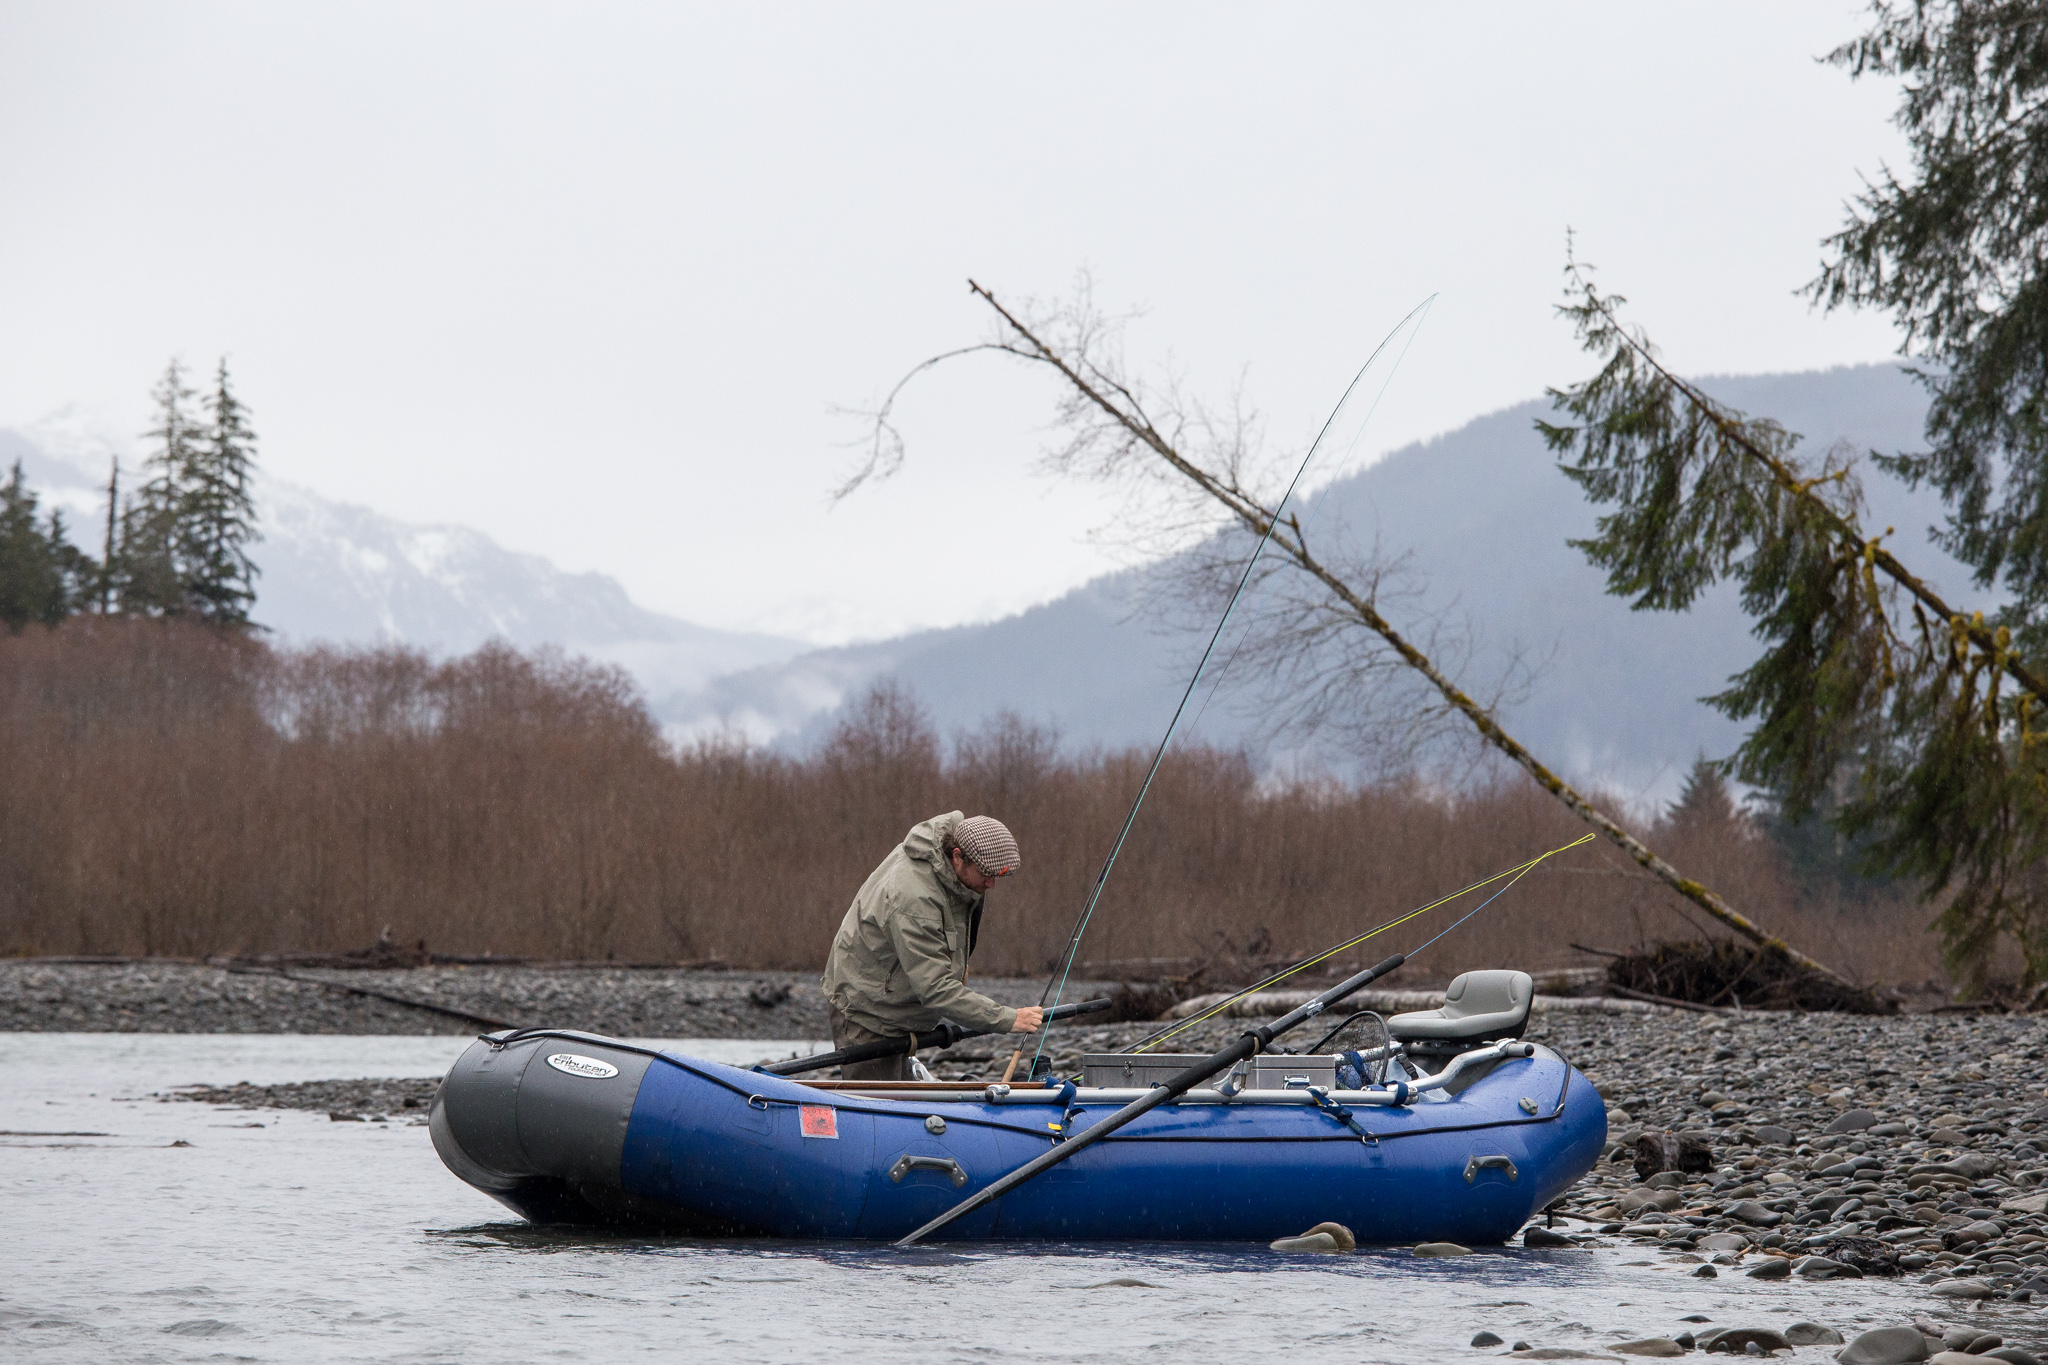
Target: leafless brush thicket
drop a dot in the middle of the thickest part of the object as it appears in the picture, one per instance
(174, 791)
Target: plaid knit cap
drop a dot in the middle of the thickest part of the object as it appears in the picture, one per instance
(988, 844)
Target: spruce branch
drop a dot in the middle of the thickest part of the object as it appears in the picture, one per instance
(1972, 628)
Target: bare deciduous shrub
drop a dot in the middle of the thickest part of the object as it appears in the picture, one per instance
(173, 791)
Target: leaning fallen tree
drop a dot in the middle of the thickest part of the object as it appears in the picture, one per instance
(1112, 433)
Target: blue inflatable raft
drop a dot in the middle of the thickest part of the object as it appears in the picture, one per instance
(566, 1127)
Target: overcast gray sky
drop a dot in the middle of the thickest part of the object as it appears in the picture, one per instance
(593, 278)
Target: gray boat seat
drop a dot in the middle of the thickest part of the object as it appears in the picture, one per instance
(1478, 1007)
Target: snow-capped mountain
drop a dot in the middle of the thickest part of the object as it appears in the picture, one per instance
(338, 572)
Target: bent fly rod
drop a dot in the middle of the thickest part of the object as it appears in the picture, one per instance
(1159, 756)
(1252, 1042)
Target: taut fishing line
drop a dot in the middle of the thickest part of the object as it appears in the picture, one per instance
(1056, 989)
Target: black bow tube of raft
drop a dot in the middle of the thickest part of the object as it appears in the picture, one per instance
(945, 1035)
(1250, 1045)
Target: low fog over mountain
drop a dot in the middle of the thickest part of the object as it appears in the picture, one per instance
(1482, 510)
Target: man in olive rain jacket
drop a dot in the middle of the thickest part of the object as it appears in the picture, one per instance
(899, 960)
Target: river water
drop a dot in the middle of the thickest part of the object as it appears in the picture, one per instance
(283, 1236)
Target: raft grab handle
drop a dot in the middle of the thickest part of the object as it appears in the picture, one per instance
(907, 1163)
(1497, 1161)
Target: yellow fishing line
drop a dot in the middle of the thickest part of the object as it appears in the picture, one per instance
(1515, 872)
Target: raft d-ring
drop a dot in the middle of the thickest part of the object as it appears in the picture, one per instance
(1498, 1161)
(759, 1102)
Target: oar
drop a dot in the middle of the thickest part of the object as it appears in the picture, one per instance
(1250, 1045)
(945, 1035)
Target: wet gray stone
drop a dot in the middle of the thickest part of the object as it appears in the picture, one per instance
(1965, 1288)
(1885, 1346)
(1485, 1339)
(1812, 1334)
(1821, 1268)
(1775, 1268)
(1661, 1200)
(1853, 1121)
(1755, 1214)
(1430, 1249)
(1738, 1340)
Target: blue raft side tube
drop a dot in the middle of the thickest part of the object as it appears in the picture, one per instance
(675, 1142)
(732, 1147)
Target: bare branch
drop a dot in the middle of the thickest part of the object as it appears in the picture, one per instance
(884, 442)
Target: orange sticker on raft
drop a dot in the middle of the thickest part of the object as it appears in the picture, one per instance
(817, 1120)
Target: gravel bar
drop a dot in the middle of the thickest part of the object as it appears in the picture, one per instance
(625, 1002)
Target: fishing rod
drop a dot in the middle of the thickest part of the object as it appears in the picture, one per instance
(1514, 873)
(945, 1035)
(1249, 1044)
(1159, 756)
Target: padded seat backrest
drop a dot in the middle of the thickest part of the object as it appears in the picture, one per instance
(1477, 1006)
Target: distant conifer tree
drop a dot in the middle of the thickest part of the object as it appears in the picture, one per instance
(1704, 802)
(146, 577)
(217, 512)
(42, 575)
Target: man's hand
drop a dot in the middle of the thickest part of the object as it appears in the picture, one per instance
(1028, 1019)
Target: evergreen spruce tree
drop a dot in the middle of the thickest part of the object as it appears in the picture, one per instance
(42, 575)
(1704, 802)
(147, 577)
(217, 512)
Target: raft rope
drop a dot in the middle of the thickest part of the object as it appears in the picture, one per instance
(1512, 875)
(1056, 990)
